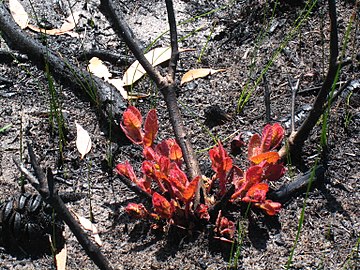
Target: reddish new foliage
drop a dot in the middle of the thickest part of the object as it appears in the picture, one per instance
(136, 210)
(173, 193)
(162, 165)
(271, 138)
(224, 227)
(162, 206)
(131, 125)
(221, 164)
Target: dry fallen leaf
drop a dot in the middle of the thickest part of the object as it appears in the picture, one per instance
(61, 259)
(67, 26)
(98, 68)
(83, 141)
(118, 83)
(70, 22)
(198, 73)
(89, 226)
(155, 57)
(18, 13)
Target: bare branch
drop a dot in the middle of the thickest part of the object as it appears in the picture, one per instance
(83, 83)
(166, 85)
(173, 39)
(53, 199)
(296, 139)
(112, 9)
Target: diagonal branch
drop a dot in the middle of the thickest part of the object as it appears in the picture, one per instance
(296, 139)
(40, 183)
(113, 10)
(166, 85)
(82, 82)
(173, 40)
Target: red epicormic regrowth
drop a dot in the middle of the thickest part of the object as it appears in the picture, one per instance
(175, 192)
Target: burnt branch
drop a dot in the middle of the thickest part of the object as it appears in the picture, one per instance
(41, 183)
(112, 11)
(135, 188)
(166, 84)
(101, 94)
(297, 138)
(173, 40)
(298, 186)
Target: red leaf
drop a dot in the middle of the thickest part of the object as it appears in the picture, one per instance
(252, 176)
(178, 176)
(190, 190)
(175, 152)
(151, 127)
(202, 212)
(272, 136)
(269, 157)
(254, 146)
(162, 168)
(221, 163)
(149, 170)
(162, 206)
(236, 144)
(274, 172)
(170, 149)
(270, 207)
(131, 125)
(224, 227)
(150, 154)
(237, 176)
(136, 210)
(127, 170)
(257, 193)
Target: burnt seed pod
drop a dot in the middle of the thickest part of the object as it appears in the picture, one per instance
(35, 203)
(26, 223)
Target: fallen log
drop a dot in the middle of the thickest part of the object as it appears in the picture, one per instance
(105, 97)
(297, 186)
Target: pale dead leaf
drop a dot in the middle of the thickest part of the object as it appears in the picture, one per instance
(83, 140)
(18, 13)
(98, 68)
(66, 27)
(89, 226)
(118, 83)
(155, 57)
(61, 259)
(198, 73)
(70, 22)
(42, 30)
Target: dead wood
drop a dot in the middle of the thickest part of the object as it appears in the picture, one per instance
(297, 186)
(166, 84)
(297, 138)
(104, 96)
(44, 185)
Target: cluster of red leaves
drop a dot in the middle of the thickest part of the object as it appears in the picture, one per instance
(162, 165)
(174, 192)
(251, 186)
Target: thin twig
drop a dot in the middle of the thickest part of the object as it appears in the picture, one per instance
(294, 89)
(267, 100)
(112, 9)
(135, 188)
